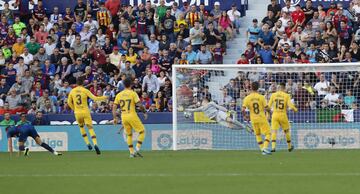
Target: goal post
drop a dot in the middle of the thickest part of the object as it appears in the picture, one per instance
(327, 96)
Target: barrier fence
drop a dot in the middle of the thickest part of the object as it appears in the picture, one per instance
(159, 137)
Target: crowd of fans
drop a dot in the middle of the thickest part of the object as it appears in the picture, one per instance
(294, 34)
(305, 35)
(43, 52)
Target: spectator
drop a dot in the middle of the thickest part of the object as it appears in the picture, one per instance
(33, 47)
(18, 47)
(129, 71)
(78, 45)
(332, 99)
(115, 57)
(23, 120)
(40, 119)
(234, 16)
(267, 54)
(349, 99)
(298, 16)
(48, 69)
(146, 100)
(153, 45)
(270, 19)
(196, 36)
(322, 87)
(150, 84)
(48, 108)
(41, 55)
(7, 121)
(13, 99)
(41, 101)
(203, 56)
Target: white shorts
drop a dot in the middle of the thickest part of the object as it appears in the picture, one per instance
(221, 116)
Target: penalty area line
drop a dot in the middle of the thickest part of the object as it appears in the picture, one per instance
(186, 175)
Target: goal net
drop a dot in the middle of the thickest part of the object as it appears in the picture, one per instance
(326, 95)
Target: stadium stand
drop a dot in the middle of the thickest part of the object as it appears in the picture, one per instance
(43, 53)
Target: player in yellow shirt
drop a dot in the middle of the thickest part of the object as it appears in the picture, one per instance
(128, 100)
(78, 101)
(279, 102)
(256, 104)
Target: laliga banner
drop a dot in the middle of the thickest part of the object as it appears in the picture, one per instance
(325, 3)
(49, 4)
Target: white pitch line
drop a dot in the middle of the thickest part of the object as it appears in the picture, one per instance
(186, 175)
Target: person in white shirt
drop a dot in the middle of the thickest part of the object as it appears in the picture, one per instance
(47, 25)
(49, 46)
(322, 88)
(234, 16)
(356, 7)
(28, 57)
(55, 16)
(94, 25)
(285, 18)
(1, 103)
(20, 67)
(278, 29)
(288, 7)
(332, 99)
(284, 40)
(150, 83)
(153, 44)
(115, 57)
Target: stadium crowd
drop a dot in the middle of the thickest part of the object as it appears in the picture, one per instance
(293, 34)
(43, 52)
(305, 35)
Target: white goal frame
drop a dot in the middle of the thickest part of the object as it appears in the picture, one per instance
(312, 67)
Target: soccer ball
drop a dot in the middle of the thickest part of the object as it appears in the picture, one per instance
(187, 114)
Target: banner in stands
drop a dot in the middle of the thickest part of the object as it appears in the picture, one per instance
(329, 139)
(325, 3)
(49, 4)
(187, 139)
(160, 137)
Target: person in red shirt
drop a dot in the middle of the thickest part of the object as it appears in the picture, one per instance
(113, 6)
(298, 15)
(303, 59)
(249, 52)
(332, 9)
(99, 55)
(283, 52)
(339, 17)
(242, 60)
(41, 35)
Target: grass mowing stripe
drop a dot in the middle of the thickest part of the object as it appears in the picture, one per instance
(185, 175)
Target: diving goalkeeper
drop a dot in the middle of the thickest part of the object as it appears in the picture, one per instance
(219, 114)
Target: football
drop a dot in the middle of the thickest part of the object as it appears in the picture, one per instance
(187, 114)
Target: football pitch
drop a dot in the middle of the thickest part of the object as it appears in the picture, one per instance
(248, 172)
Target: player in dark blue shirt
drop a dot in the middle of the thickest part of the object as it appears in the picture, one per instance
(23, 132)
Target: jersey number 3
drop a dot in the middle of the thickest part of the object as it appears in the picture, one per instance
(78, 99)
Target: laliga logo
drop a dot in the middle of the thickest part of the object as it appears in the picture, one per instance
(164, 141)
(311, 140)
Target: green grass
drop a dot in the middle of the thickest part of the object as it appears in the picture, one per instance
(192, 172)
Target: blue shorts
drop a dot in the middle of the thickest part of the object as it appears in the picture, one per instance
(28, 131)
